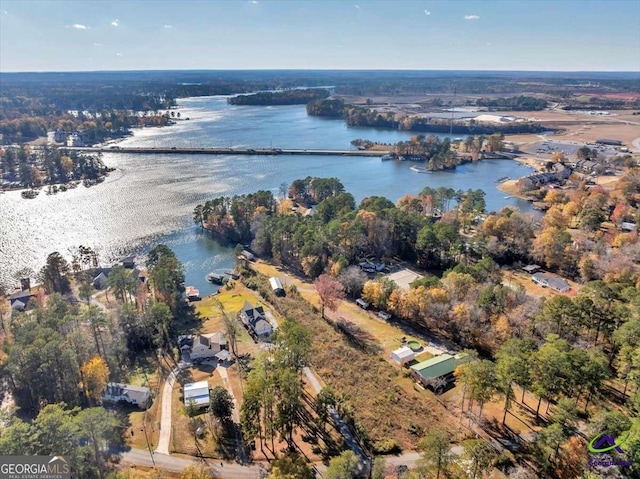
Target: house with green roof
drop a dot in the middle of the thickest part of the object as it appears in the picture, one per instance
(441, 366)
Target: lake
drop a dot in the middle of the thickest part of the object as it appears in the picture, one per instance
(149, 199)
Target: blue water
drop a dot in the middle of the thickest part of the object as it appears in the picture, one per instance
(149, 199)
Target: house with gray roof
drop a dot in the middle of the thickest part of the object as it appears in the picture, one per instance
(546, 280)
(134, 395)
(255, 320)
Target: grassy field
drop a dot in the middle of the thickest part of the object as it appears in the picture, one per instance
(377, 333)
(377, 393)
(231, 301)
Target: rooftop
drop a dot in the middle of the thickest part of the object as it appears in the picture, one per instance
(404, 277)
(439, 365)
(199, 392)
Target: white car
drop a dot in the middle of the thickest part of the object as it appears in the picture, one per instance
(384, 315)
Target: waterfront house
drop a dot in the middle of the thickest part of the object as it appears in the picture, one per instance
(247, 255)
(553, 282)
(255, 320)
(198, 393)
(19, 300)
(129, 262)
(438, 367)
(134, 395)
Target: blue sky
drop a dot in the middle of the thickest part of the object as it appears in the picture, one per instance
(565, 35)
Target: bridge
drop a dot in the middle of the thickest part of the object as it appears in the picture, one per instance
(226, 151)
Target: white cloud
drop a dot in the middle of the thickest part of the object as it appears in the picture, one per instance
(118, 54)
(357, 6)
(115, 23)
(471, 17)
(4, 12)
(97, 44)
(255, 2)
(80, 26)
(168, 26)
(427, 12)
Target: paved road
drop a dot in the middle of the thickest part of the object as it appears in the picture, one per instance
(236, 414)
(342, 427)
(165, 418)
(229, 470)
(228, 151)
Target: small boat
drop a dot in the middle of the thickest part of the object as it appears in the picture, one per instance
(420, 169)
(508, 197)
(503, 179)
(216, 278)
(192, 293)
(387, 158)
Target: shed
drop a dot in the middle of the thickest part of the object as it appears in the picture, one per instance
(198, 392)
(532, 268)
(403, 355)
(276, 286)
(628, 226)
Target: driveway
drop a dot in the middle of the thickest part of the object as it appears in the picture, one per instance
(165, 418)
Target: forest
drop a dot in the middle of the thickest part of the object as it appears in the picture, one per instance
(57, 356)
(516, 103)
(34, 168)
(364, 116)
(578, 353)
(299, 96)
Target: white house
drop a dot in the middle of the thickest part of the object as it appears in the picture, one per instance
(206, 346)
(403, 355)
(198, 392)
(254, 319)
(135, 395)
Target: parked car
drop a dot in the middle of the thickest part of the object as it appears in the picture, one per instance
(362, 303)
(384, 315)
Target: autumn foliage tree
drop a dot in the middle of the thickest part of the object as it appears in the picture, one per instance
(330, 291)
(95, 374)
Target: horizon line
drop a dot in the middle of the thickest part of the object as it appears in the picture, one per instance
(313, 70)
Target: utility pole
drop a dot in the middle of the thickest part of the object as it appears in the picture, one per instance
(144, 428)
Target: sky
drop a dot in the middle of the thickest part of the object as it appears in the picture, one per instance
(537, 35)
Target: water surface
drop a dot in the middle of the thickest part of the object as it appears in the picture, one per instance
(150, 198)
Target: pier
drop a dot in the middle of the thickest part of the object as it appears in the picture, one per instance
(225, 151)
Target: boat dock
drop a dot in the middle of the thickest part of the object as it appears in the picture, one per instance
(226, 151)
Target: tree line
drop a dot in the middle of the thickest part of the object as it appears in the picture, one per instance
(366, 116)
(298, 96)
